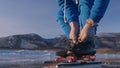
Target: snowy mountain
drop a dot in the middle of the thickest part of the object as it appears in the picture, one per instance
(29, 41)
(34, 41)
(109, 40)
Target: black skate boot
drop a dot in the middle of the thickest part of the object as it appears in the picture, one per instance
(84, 48)
(65, 52)
(62, 53)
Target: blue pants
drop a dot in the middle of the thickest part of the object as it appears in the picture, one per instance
(93, 9)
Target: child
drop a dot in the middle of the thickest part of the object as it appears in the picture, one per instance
(90, 12)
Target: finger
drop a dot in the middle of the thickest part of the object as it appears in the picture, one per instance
(80, 36)
(74, 39)
(83, 37)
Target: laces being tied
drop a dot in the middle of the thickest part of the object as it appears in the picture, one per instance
(65, 20)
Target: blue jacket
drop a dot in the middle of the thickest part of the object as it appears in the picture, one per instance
(94, 9)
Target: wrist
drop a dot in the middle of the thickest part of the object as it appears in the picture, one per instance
(74, 24)
(91, 23)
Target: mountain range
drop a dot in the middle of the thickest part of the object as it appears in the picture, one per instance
(34, 41)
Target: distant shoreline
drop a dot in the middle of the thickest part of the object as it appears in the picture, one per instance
(99, 50)
(108, 51)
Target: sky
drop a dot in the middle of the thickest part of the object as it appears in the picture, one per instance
(39, 16)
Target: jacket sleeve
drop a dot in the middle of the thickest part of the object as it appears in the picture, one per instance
(70, 8)
(98, 9)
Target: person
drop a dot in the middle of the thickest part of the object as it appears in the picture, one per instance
(89, 12)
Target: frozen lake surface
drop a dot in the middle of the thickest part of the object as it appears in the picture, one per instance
(33, 58)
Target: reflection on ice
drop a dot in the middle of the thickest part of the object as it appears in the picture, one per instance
(27, 56)
(35, 56)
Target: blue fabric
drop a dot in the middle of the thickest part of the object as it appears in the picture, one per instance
(71, 10)
(65, 26)
(93, 9)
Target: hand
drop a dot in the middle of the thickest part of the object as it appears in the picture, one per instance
(74, 31)
(87, 31)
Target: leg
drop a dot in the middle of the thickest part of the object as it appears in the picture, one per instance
(85, 7)
(71, 27)
(71, 10)
(85, 46)
(71, 17)
(65, 26)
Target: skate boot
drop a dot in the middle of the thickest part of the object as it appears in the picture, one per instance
(85, 51)
(65, 52)
(87, 47)
(62, 53)
(65, 56)
(84, 48)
